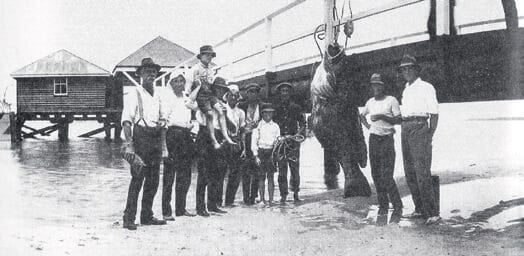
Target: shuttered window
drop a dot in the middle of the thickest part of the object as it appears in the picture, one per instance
(60, 86)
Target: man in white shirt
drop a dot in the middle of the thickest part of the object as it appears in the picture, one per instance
(419, 105)
(142, 122)
(251, 107)
(384, 112)
(234, 153)
(180, 147)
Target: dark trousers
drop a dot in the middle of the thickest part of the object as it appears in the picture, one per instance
(249, 174)
(182, 151)
(416, 151)
(147, 144)
(382, 160)
(209, 164)
(234, 164)
(293, 161)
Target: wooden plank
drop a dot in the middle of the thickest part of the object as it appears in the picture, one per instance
(96, 131)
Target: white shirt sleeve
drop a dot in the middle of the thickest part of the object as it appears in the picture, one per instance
(242, 119)
(130, 107)
(365, 109)
(431, 99)
(276, 131)
(165, 108)
(395, 107)
(254, 141)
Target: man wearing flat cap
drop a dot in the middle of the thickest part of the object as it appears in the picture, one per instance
(143, 122)
(291, 121)
(419, 122)
(234, 153)
(251, 107)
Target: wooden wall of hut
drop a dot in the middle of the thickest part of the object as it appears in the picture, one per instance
(85, 94)
(472, 67)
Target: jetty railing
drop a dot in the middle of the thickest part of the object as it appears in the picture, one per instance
(269, 46)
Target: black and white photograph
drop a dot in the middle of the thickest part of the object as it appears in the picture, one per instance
(262, 127)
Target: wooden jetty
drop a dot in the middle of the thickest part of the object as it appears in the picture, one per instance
(61, 88)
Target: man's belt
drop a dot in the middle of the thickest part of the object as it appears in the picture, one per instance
(414, 119)
(179, 128)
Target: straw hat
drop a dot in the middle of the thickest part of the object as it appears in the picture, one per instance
(206, 49)
(148, 63)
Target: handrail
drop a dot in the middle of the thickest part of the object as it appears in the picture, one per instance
(472, 24)
(310, 32)
(241, 32)
(484, 22)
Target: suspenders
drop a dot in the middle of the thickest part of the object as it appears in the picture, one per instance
(140, 103)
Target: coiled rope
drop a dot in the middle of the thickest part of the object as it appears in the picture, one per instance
(284, 148)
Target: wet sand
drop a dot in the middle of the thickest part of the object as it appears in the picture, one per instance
(68, 198)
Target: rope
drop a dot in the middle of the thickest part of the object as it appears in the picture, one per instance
(284, 148)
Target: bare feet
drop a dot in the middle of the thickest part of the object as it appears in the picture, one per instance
(229, 141)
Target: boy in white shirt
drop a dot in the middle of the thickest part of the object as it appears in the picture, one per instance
(262, 142)
(384, 112)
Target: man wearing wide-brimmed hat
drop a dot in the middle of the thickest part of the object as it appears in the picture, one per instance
(384, 113)
(291, 120)
(143, 122)
(419, 122)
(251, 106)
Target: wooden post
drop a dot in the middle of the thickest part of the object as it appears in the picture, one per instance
(63, 131)
(328, 20)
(443, 17)
(269, 45)
(15, 133)
(107, 130)
(232, 55)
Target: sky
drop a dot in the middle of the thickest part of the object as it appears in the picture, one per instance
(106, 31)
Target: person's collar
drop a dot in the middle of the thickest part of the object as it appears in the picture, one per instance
(203, 65)
(146, 91)
(414, 81)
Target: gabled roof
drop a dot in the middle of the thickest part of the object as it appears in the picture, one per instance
(60, 63)
(163, 52)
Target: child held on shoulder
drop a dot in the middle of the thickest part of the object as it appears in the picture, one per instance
(204, 88)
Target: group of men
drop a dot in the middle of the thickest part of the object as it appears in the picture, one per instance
(148, 114)
(418, 119)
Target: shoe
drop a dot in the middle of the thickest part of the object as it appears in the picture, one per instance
(188, 214)
(203, 213)
(153, 221)
(130, 225)
(395, 216)
(382, 220)
(283, 200)
(382, 211)
(414, 215)
(169, 218)
(217, 210)
(433, 220)
(295, 198)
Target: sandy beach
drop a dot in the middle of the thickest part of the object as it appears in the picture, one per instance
(67, 199)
